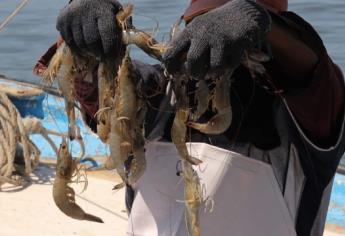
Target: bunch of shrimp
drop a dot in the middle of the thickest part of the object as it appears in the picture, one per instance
(220, 95)
(220, 99)
(127, 117)
(128, 109)
(106, 88)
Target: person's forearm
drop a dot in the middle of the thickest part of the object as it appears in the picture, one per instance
(289, 51)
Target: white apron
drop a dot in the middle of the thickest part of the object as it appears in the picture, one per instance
(246, 196)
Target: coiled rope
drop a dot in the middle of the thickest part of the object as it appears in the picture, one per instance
(13, 134)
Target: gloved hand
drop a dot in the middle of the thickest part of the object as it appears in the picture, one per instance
(90, 26)
(218, 38)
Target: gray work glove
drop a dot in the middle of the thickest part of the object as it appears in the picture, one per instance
(218, 38)
(90, 26)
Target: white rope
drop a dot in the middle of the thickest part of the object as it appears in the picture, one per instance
(13, 14)
(12, 133)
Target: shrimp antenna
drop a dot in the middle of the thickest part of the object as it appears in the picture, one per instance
(154, 28)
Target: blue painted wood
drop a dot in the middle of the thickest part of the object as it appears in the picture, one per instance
(29, 105)
(336, 211)
(56, 119)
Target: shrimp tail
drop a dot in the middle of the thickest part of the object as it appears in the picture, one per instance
(137, 167)
(218, 124)
(119, 186)
(93, 218)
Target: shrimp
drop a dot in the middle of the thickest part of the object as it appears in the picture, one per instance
(118, 151)
(220, 122)
(179, 128)
(178, 135)
(134, 36)
(126, 103)
(106, 87)
(126, 134)
(193, 198)
(145, 42)
(138, 164)
(61, 68)
(64, 196)
(123, 113)
(202, 97)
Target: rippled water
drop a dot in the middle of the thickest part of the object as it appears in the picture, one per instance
(33, 30)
